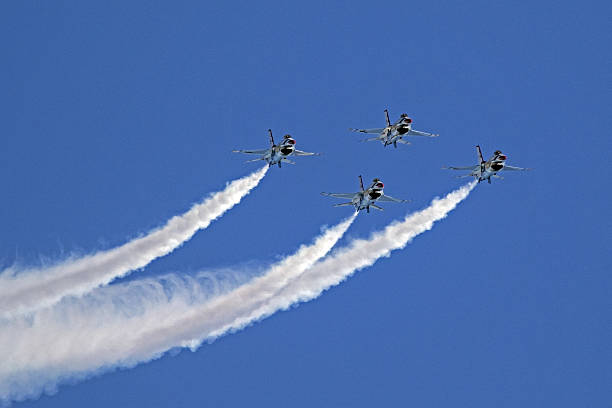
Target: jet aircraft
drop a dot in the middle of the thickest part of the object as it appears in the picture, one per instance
(276, 154)
(365, 198)
(394, 133)
(487, 169)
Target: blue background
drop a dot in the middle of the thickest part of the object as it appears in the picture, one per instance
(116, 116)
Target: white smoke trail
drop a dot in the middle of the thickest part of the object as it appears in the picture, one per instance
(80, 337)
(112, 326)
(33, 289)
(362, 253)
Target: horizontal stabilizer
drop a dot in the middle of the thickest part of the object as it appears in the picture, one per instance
(377, 207)
(344, 204)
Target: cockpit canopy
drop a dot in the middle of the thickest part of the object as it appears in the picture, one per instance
(378, 183)
(404, 118)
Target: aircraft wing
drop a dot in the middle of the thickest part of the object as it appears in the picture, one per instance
(251, 151)
(385, 197)
(419, 133)
(376, 131)
(340, 195)
(473, 168)
(512, 168)
(301, 153)
(371, 139)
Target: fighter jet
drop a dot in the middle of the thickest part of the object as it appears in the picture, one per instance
(487, 169)
(394, 133)
(276, 154)
(365, 199)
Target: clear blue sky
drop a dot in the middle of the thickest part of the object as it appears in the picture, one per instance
(116, 116)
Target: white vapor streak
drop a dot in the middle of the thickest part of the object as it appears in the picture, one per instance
(34, 289)
(361, 253)
(111, 328)
(123, 325)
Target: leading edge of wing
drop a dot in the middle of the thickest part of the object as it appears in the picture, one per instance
(476, 167)
(339, 195)
(251, 151)
(301, 153)
(387, 198)
(413, 132)
(512, 168)
(372, 131)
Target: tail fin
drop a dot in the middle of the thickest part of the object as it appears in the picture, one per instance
(479, 154)
(271, 138)
(361, 183)
(387, 116)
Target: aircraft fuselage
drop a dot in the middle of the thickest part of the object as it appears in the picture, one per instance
(395, 132)
(278, 153)
(365, 199)
(491, 168)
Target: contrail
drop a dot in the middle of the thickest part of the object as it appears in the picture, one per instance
(81, 337)
(33, 289)
(111, 326)
(360, 254)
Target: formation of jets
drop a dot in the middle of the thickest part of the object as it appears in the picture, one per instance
(392, 134)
